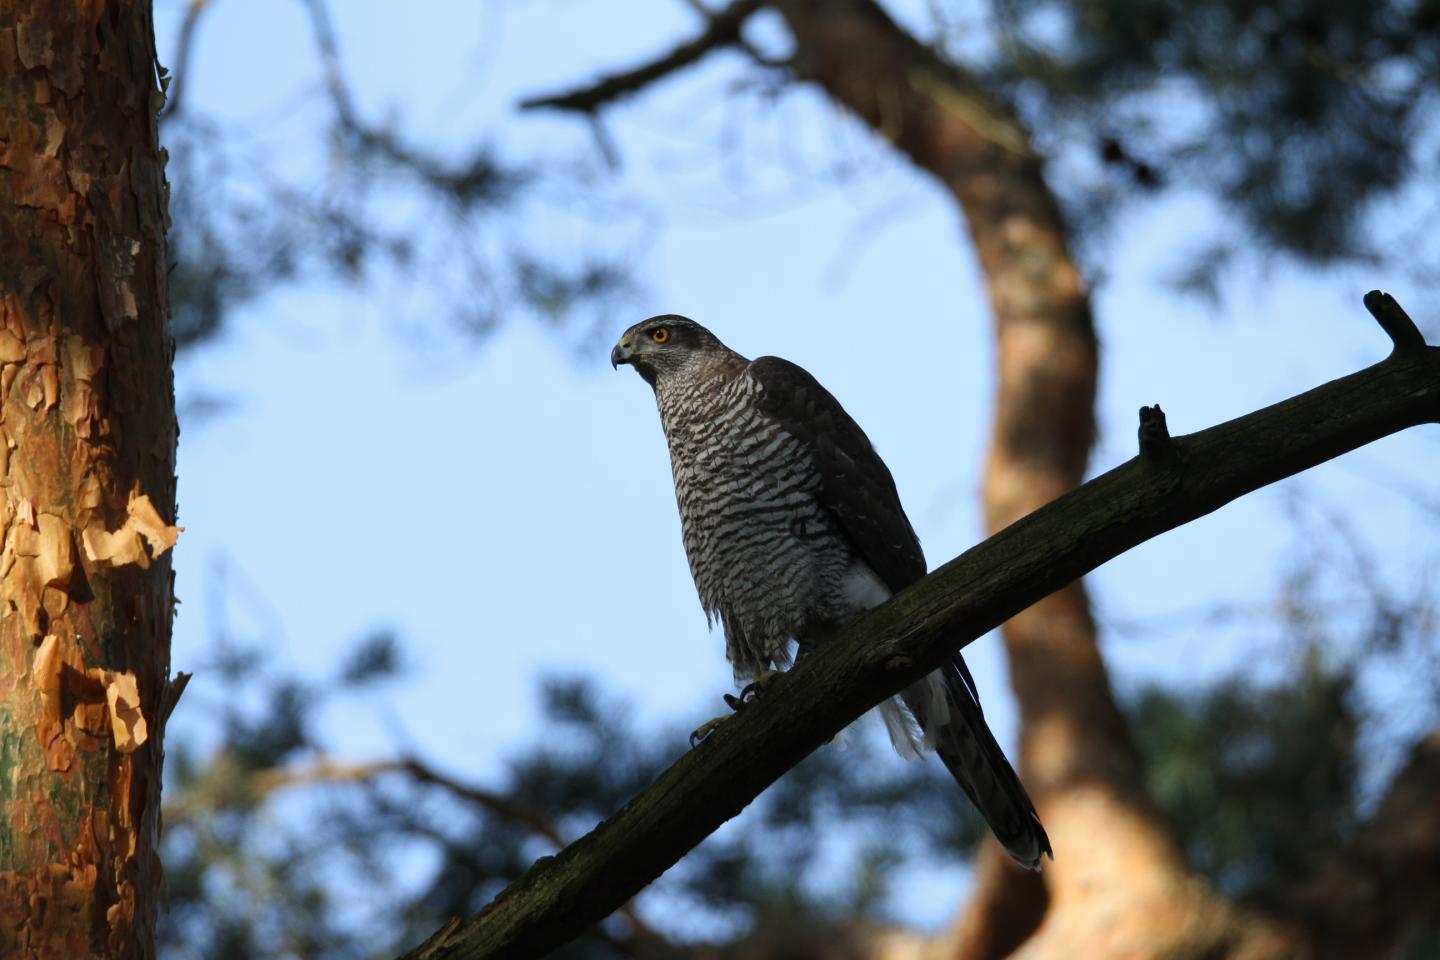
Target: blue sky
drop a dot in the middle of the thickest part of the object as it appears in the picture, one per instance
(506, 507)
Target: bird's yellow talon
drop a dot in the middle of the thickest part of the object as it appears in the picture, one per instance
(705, 729)
(755, 687)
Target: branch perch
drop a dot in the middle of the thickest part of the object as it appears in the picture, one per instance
(897, 643)
(722, 30)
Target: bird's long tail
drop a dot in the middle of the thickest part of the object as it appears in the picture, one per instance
(956, 726)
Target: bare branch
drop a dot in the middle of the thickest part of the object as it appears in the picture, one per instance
(476, 179)
(333, 771)
(330, 63)
(1394, 321)
(498, 805)
(1154, 434)
(183, 46)
(896, 644)
(173, 689)
(722, 30)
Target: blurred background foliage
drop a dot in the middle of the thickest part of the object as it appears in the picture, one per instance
(1309, 120)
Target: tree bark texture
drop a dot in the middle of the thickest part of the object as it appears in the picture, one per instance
(87, 467)
(1114, 855)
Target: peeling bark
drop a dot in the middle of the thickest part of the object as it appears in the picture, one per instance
(87, 464)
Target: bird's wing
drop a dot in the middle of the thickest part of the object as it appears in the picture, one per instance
(859, 492)
(857, 488)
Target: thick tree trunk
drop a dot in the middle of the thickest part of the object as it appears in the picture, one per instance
(1118, 882)
(87, 463)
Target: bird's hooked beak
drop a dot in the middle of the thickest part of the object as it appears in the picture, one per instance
(621, 353)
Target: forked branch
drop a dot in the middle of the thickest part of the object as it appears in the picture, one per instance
(899, 642)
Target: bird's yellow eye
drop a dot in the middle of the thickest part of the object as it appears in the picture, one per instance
(660, 334)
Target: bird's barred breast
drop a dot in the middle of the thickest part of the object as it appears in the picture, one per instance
(760, 546)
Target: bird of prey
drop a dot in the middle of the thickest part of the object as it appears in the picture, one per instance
(792, 526)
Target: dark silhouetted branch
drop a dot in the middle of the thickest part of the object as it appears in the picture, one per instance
(1154, 434)
(181, 70)
(722, 30)
(476, 180)
(897, 643)
(1394, 321)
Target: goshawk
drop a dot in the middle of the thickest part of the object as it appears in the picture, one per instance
(792, 526)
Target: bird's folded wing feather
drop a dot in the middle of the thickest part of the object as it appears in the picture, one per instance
(856, 486)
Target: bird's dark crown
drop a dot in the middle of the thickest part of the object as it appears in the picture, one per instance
(683, 331)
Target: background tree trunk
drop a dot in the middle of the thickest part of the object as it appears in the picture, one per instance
(87, 464)
(1115, 859)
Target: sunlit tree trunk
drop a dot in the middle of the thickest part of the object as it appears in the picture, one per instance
(87, 467)
(1118, 883)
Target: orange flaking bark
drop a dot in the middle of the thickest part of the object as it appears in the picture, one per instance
(143, 524)
(86, 417)
(127, 723)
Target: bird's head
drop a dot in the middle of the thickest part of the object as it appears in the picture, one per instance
(665, 345)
